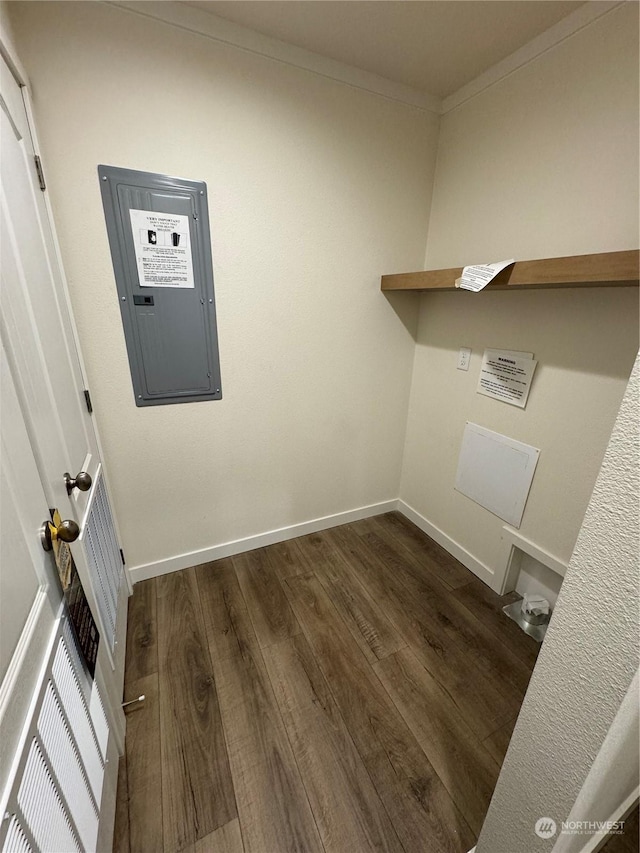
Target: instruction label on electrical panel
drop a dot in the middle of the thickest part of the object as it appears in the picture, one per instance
(478, 277)
(506, 375)
(163, 249)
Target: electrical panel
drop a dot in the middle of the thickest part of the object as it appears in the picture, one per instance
(158, 229)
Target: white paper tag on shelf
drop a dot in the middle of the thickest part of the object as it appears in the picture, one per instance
(478, 276)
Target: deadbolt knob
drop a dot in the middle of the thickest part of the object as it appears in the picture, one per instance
(68, 531)
(81, 481)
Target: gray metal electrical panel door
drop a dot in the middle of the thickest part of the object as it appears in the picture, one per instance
(158, 230)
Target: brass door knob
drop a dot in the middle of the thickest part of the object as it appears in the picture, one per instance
(67, 531)
(81, 481)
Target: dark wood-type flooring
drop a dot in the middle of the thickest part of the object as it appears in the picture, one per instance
(629, 839)
(348, 691)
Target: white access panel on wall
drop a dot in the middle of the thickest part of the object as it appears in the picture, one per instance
(496, 472)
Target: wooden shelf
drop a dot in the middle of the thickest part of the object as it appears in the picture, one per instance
(607, 269)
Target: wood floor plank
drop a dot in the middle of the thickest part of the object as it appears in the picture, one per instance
(142, 649)
(487, 605)
(226, 839)
(273, 807)
(480, 701)
(272, 618)
(423, 814)
(371, 629)
(144, 767)
(197, 789)
(230, 632)
(467, 770)
(498, 742)
(285, 559)
(121, 827)
(491, 655)
(346, 806)
(433, 557)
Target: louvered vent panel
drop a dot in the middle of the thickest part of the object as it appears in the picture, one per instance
(16, 841)
(75, 657)
(54, 798)
(64, 761)
(73, 702)
(89, 690)
(99, 719)
(42, 807)
(105, 562)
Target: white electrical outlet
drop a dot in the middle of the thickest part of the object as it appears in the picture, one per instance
(464, 357)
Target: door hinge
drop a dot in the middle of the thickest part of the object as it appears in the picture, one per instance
(87, 399)
(122, 557)
(40, 172)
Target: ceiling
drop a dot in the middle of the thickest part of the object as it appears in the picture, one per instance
(435, 46)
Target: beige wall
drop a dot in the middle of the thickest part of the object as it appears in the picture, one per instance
(315, 188)
(543, 163)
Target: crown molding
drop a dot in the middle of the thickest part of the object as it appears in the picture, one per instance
(210, 26)
(564, 29)
(191, 19)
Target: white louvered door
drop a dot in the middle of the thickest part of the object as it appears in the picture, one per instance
(53, 803)
(54, 731)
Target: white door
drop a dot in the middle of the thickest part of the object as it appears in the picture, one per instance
(36, 318)
(54, 743)
(43, 365)
(29, 596)
(40, 347)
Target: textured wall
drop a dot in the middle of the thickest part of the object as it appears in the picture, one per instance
(612, 783)
(315, 189)
(543, 163)
(588, 659)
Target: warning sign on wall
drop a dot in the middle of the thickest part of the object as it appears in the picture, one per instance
(506, 375)
(163, 249)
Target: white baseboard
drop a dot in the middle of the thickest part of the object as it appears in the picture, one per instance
(454, 548)
(260, 540)
(270, 537)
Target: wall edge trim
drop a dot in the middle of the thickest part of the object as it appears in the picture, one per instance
(480, 569)
(218, 29)
(259, 540)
